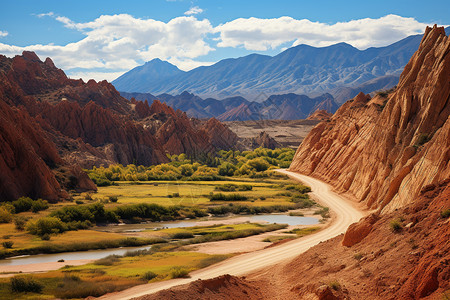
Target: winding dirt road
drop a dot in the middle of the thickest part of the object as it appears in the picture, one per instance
(344, 215)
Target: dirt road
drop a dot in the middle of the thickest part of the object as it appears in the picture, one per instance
(344, 215)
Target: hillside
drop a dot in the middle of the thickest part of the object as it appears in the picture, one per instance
(302, 70)
(280, 107)
(385, 150)
(52, 125)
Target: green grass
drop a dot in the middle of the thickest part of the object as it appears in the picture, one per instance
(300, 232)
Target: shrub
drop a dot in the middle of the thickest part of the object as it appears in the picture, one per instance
(107, 261)
(179, 272)
(182, 235)
(422, 139)
(46, 226)
(335, 285)
(79, 202)
(22, 204)
(149, 275)
(39, 205)
(74, 287)
(211, 260)
(259, 164)
(396, 225)
(88, 196)
(224, 197)
(5, 215)
(25, 284)
(445, 213)
(113, 199)
(324, 212)
(226, 169)
(7, 244)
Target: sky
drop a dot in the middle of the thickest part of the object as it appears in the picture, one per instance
(103, 39)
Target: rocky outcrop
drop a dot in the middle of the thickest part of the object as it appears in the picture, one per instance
(220, 136)
(28, 158)
(320, 115)
(223, 287)
(384, 150)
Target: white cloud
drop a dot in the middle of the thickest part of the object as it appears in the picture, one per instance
(117, 43)
(263, 34)
(49, 14)
(121, 42)
(97, 76)
(194, 11)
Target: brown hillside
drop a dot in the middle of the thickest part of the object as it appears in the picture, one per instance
(384, 150)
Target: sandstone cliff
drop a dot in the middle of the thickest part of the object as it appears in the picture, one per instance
(384, 150)
(320, 115)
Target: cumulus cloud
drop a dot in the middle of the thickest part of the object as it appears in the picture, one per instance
(113, 44)
(263, 34)
(194, 11)
(121, 42)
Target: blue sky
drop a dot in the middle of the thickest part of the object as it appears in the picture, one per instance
(103, 39)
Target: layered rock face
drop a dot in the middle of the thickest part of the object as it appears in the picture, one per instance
(320, 115)
(384, 150)
(52, 125)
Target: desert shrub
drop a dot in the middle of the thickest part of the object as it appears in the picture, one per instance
(107, 261)
(229, 187)
(245, 187)
(396, 225)
(72, 288)
(422, 139)
(182, 235)
(445, 213)
(230, 197)
(22, 204)
(335, 285)
(93, 213)
(205, 262)
(5, 215)
(113, 199)
(25, 284)
(324, 212)
(259, 164)
(39, 205)
(149, 275)
(299, 188)
(179, 272)
(153, 212)
(46, 225)
(7, 244)
(296, 214)
(226, 169)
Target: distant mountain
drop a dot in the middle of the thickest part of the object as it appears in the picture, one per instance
(285, 107)
(302, 70)
(144, 75)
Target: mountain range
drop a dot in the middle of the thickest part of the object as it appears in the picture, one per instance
(341, 70)
(283, 107)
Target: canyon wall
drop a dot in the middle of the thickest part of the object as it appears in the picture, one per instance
(385, 150)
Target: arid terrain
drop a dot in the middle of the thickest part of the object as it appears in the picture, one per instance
(286, 133)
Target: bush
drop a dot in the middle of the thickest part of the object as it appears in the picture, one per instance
(46, 226)
(113, 199)
(182, 235)
(445, 213)
(259, 164)
(25, 284)
(7, 244)
(396, 225)
(335, 285)
(324, 212)
(39, 205)
(74, 287)
(149, 275)
(107, 261)
(224, 197)
(179, 272)
(5, 215)
(226, 169)
(22, 204)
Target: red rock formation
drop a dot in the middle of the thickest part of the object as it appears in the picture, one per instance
(320, 115)
(223, 287)
(383, 151)
(220, 136)
(26, 158)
